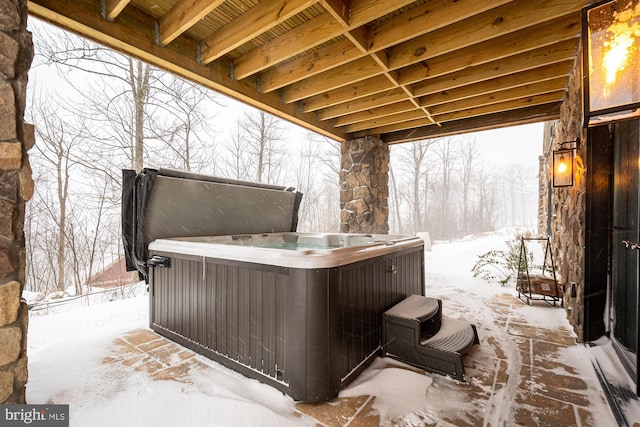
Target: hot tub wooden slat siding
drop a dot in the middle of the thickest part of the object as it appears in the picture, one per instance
(366, 290)
(174, 296)
(244, 321)
(235, 311)
(307, 332)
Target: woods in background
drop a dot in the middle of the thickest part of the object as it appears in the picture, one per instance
(97, 112)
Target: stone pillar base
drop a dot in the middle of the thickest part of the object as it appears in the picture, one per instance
(364, 186)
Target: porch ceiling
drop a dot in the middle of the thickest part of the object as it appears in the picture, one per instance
(401, 69)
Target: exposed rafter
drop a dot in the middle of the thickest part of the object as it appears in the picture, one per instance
(184, 15)
(535, 37)
(114, 7)
(308, 35)
(521, 116)
(339, 9)
(253, 23)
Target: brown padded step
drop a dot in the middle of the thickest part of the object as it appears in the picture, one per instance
(438, 350)
(455, 336)
(424, 311)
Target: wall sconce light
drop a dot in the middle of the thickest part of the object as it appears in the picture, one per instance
(563, 161)
(611, 61)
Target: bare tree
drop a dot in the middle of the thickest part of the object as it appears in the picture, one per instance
(58, 140)
(316, 174)
(511, 191)
(486, 209)
(447, 157)
(40, 271)
(182, 120)
(237, 162)
(395, 198)
(114, 89)
(468, 156)
(264, 140)
(87, 240)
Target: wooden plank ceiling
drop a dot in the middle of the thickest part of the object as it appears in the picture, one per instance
(400, 69)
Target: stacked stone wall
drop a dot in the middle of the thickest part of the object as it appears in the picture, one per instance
(16, 188)
(567, 203)
(364, 189)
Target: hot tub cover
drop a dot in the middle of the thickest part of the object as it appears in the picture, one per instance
(165, 203)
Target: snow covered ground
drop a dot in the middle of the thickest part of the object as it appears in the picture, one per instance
(67, 348)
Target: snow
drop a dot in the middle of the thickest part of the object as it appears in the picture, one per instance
(388, 382)
(67, 347)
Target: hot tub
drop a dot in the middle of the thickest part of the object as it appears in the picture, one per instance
(299, 311)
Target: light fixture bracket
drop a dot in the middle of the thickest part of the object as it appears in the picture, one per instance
(563, 161)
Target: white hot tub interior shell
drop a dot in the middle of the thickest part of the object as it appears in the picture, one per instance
(293, 250)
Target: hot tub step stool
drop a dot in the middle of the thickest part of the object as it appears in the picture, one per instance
(415, 332)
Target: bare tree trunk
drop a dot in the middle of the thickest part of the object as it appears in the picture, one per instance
(236, 164)
(55, 151)
(448, 160)
(417, 206)
(469, 154)
(261, 142)
(139, 80)
(264, 139)
(394, 195)
(413, 158)
(63, 187)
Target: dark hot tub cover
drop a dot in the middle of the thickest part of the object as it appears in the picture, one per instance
(166, 203)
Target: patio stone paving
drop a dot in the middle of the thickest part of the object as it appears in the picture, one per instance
(515, 368)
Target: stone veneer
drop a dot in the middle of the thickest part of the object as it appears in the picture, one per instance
(364, 186)
(567, 203)
(16, 188)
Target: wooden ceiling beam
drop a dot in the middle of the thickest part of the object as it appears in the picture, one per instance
(339, 9)
(488, 25)
(364, 11)
(560, 52)
(372, 117)
(500, 47)
(308, 35)
(358, 37)
(336, 54)
(535, 37)
(324, 59)
(372, 86)
(372, 101)
(182, 16)
(474, 112)
(255, 21)
(347, 74)
(423, 19)
(545, 73)
(380, 122)
(352, 47)
(513, 104)
(114, 7)
(534, 114)
(376, 113)
(449, 89)
(525, 91)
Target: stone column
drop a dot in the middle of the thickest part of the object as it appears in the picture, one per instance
(568, 204)
(16, 188)
(364, 186)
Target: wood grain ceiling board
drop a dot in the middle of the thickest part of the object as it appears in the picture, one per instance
(345, 68)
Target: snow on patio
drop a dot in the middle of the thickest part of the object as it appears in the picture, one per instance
(112, 370)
